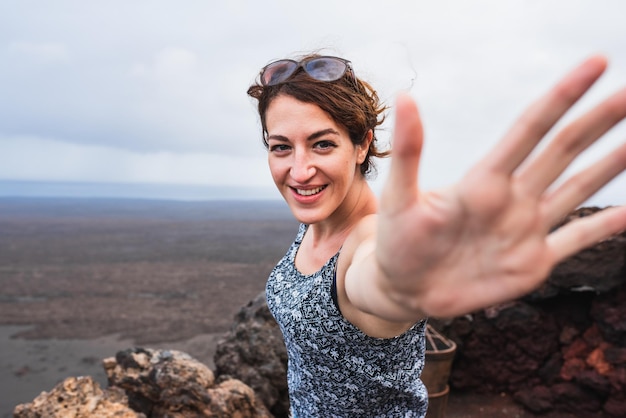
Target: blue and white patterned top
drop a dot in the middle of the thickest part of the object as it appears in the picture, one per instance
(335, 370)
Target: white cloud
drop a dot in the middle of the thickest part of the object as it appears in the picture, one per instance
(147, 86)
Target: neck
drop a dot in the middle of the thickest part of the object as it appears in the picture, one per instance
(337, 227)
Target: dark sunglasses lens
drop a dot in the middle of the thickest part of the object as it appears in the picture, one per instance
(325, 69)
(277, 72)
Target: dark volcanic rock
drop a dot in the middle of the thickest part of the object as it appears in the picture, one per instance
(538, 399)
(609, 311)
(561, 348)
(504, 350)
(253, 351)
(600, 268)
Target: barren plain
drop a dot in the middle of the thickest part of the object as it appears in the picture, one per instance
(81, 279)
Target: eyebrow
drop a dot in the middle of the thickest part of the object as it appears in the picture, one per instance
(311, 137)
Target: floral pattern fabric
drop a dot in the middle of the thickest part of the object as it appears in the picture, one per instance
(335, 370)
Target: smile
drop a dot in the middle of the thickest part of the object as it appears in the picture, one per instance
(309, 192)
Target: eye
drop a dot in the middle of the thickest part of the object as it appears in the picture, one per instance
(324, 145)
(279, 148)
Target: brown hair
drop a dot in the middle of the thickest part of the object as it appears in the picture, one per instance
(351, 103)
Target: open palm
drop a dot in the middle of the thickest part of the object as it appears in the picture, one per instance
(487, 239)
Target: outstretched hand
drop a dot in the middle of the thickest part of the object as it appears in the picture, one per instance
(487, 239)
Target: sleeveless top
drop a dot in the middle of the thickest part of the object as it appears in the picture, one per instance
(334, 369)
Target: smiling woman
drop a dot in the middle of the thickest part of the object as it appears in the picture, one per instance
(308, 156)
(353, 292)
(320, 136)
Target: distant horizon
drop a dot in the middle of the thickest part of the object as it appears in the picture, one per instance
(91, 189)
(173, 192)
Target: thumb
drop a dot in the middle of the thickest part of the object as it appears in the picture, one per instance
(401, 188)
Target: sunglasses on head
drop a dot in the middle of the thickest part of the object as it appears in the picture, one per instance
(318, 68)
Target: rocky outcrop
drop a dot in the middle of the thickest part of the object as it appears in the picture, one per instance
(561, 348)
(161, 383)
(146, 383)
(253, 351)
(78, 397)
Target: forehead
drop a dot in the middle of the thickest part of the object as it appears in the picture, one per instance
(286, 113)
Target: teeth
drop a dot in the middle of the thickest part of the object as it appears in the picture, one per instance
(310, 192)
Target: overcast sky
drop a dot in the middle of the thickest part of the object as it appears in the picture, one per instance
(153, 91)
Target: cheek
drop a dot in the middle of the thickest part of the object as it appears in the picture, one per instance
(346, 170)
(277, 168)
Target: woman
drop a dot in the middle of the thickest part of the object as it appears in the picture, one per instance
(354, 290)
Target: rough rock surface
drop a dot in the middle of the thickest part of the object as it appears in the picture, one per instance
(599, 268)
(78, 397)
(562, 348)
(172, 384)
(253, 351)
(148, 383)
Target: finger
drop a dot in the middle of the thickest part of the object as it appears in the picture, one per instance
(401, 186)
(540, 117)
(542, 171)
(584, 232)
(583, 185)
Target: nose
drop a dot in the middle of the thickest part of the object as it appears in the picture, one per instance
(302, 169)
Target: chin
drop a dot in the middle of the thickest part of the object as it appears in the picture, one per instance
(307, 216)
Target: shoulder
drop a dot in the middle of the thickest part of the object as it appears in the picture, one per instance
(363, 233)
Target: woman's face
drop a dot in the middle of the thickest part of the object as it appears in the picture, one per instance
(313, 162)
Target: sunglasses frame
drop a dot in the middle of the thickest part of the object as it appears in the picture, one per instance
(303, 64)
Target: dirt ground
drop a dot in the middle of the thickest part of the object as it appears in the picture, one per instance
(83, 279)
